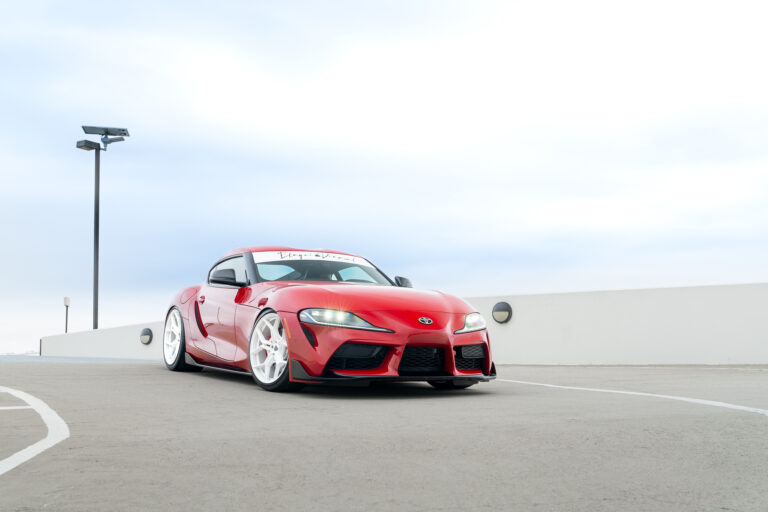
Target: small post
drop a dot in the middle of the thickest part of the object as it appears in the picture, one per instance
(66, 314)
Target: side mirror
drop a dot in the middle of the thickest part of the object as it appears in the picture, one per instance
(224, 276)
(403, 282)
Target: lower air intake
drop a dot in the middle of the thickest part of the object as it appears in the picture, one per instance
(470, 357)
(357, 356)
(422, 361)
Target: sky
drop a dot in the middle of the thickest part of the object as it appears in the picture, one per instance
(479, 148)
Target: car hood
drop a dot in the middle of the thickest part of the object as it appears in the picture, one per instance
(358, 297)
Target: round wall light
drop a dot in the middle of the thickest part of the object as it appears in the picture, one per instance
(146, 336)
(502, 312)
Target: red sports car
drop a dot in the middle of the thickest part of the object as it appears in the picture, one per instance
(291, 317)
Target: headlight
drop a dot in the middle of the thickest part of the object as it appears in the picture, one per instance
(472, 322)
(336, 318)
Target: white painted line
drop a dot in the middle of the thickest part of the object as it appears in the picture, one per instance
(57, 431)
(699, 401)
(14, 407)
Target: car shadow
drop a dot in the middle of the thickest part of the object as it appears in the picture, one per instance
(367, 391)
(388, 390)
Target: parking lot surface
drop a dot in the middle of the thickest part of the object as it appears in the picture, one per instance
(144, 438)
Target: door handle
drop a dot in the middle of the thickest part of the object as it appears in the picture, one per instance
(201, 300)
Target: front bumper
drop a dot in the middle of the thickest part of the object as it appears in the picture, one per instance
(413, 352)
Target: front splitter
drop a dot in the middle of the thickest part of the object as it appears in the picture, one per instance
(299, 374)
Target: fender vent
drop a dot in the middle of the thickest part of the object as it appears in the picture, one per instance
(199, 322)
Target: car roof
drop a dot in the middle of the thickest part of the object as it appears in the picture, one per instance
(266, 248)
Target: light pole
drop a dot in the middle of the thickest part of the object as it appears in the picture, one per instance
(66, 314)
(108, 136)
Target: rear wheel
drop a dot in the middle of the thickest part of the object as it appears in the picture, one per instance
(446, 385)
(268, 353)
(174, 343)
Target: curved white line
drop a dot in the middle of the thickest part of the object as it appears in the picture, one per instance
(57, 431)
(699, 401)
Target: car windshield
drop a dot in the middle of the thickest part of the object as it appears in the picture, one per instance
(316, 266)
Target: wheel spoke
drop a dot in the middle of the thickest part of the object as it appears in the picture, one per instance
(273, 331)
(262, 340)
(279, 365)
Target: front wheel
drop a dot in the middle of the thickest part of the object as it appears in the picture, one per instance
(174, 343)
(268, 353)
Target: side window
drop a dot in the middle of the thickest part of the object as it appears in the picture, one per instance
(237, 264)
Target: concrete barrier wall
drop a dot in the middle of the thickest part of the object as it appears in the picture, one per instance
(697, 325)
(115, 342)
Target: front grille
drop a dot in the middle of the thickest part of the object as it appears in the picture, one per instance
(470, 357)
(357, 356)
(422, 361)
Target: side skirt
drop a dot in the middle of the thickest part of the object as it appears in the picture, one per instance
(191, 361)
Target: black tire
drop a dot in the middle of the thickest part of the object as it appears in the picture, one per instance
(283, 383)
(179, 363)
(448, 385)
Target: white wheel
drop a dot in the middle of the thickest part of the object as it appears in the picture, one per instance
(268, 352)
(172, 337)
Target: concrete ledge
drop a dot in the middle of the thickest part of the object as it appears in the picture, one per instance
(113, 343)
(700, 325)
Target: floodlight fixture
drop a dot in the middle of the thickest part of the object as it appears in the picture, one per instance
(108, 135)
(88, 145)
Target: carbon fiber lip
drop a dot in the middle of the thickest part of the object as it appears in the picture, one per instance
(298, 373)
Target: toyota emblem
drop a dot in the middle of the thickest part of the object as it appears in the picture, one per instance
(425, 320)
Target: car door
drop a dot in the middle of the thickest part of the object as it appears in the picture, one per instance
(217, 304)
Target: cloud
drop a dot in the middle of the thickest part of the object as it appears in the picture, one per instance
(462, 91)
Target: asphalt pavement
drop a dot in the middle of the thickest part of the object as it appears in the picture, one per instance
(144, 438)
